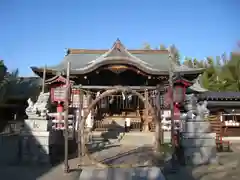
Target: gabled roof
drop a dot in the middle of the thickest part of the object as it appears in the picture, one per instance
(155, 62)
(197, 86)
(56, 79)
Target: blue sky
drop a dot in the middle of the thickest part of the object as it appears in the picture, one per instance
(36, 32)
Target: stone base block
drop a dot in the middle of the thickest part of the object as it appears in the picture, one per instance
(36, 125)
(198, 142)
(200, 155)
(197, 127)
(35, 147)
(198, 135)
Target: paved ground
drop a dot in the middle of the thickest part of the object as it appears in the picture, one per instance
(26, 172)
(228, 168)
(120, 161)
(115, 155)
(124, 155)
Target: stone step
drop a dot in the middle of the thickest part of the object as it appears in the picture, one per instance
(138, 139)
(153, 173)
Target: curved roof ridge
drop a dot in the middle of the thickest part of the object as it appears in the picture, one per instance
(117, 45)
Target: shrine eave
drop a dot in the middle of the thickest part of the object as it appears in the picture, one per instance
(85, 70)
(220, 96)
(224, 104)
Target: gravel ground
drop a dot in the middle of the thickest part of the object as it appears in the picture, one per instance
(228, 168)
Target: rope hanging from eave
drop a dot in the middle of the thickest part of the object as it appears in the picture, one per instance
(96, 93)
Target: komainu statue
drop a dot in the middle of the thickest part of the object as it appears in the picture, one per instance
(202, 111)
(40, 108)
(195, 110)
(190, 106)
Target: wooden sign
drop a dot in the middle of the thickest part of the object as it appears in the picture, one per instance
(58, 94)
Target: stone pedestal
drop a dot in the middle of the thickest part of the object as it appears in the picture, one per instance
(199, 143)
(35, 141)
(196, 126)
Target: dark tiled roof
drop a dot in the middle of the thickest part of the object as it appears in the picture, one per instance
(150, 61)
(219, 96)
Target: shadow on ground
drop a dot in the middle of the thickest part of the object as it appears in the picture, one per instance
(227, 168)
(14, 148)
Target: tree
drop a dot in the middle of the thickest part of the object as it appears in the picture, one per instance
(231, 74)
(8, 82)
(146, 46)
(162, 47)
(188, 62)
(176, 55)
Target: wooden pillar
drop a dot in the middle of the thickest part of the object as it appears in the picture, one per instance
(146, 110)
(82, 129)
(88, 96)
(80, 138)
(44, 79)
(159, 108)
(60, 109)
(66, 104)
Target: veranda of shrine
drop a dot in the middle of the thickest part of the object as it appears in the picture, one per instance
(145, 71)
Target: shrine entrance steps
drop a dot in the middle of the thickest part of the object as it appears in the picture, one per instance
(117, 122)
(137, 139)
(144, 173)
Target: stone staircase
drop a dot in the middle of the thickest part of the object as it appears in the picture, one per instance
(98, 140)
(103, 139)
(113, 122)
(138, 139)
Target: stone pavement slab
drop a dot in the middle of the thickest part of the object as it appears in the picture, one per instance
(37, 172)
(139, 173)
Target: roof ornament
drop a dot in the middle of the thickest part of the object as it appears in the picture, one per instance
(118, 44)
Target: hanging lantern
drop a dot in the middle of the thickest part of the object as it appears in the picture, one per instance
(179, 93)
